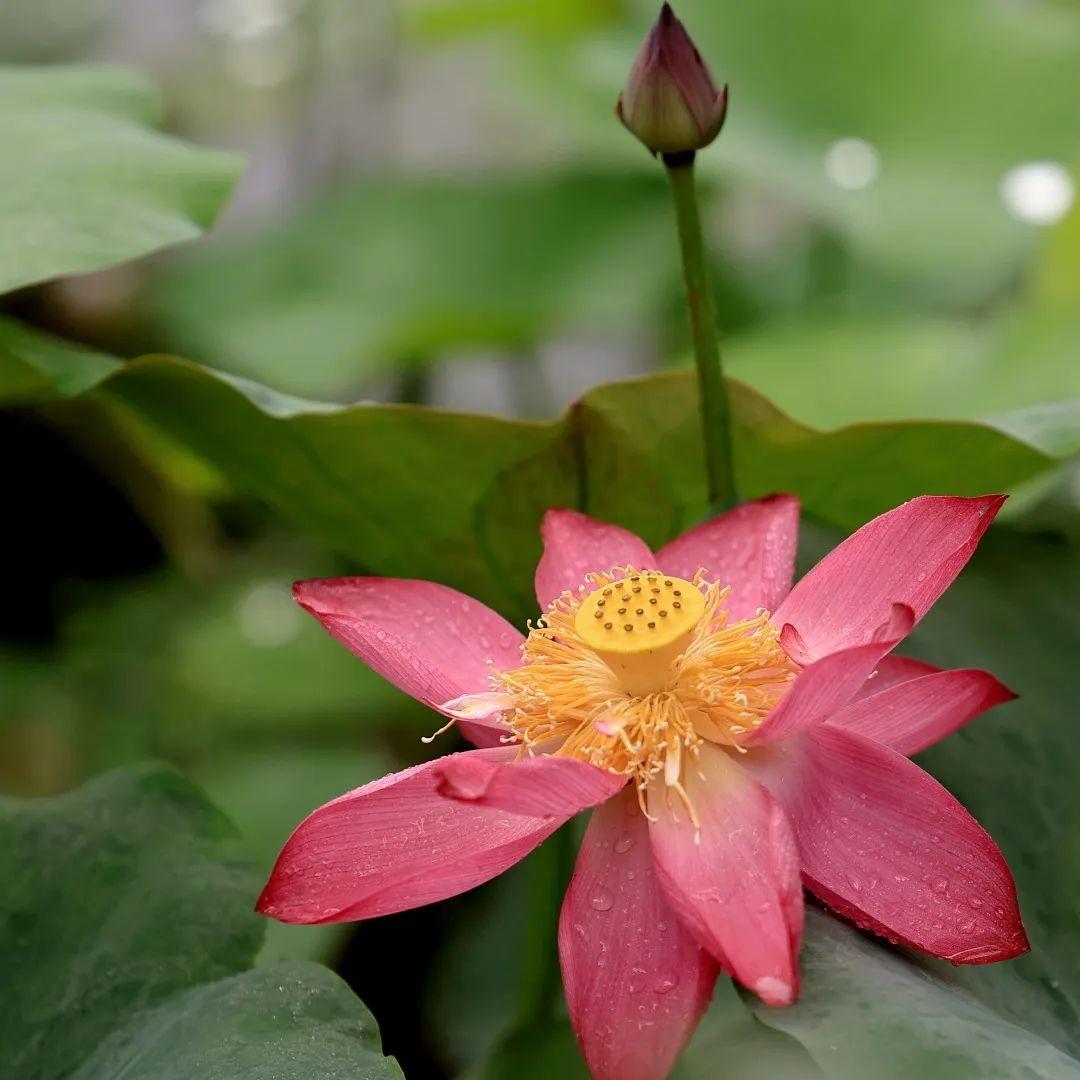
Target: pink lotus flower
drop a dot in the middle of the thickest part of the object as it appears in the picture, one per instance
(732, 755)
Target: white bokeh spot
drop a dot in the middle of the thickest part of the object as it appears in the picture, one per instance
(1038, 192)
(852, 164)
(267, 615)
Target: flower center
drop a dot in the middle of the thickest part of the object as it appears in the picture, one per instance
(638, 625)
(607, 677)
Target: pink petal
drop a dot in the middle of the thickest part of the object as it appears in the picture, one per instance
(542, 787)
(831, 682)
(392, 845)
(750, 548)
(735, 886)
(908, 556)
(891, 670)
(887, 846)
(575, 545)
(914, 714)
(429, 640)
(636, 981)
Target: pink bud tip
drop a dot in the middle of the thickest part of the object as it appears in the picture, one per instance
(671, 101)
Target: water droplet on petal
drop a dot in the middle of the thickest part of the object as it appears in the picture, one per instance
(601, 900)
(623, 845)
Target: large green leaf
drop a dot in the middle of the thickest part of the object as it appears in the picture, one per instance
(865, 1011)
(359, 477)
(86, 181)
(286, 1021)
(732, 1044)
(122, 903)
(115, 898)
(396, 270)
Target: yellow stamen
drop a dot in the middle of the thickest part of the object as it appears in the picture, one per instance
(639, 699)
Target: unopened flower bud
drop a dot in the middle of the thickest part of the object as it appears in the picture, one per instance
(671, 102)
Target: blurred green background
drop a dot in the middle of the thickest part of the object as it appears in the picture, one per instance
(439, 208)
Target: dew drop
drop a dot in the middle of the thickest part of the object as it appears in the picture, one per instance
(666, 981)
(623, 845)
(940, 885)
(601, 900)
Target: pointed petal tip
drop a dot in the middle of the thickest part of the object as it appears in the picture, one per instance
(994, 952)
(775, 992)
(997, 693)
(553, 513)
(270, 907)
(301, 590)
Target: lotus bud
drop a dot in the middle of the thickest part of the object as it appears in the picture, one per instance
(671, 102)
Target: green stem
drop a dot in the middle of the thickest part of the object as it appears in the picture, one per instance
(538, 993)
(715, 409)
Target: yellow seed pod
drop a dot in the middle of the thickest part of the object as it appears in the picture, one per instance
(639, 624)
